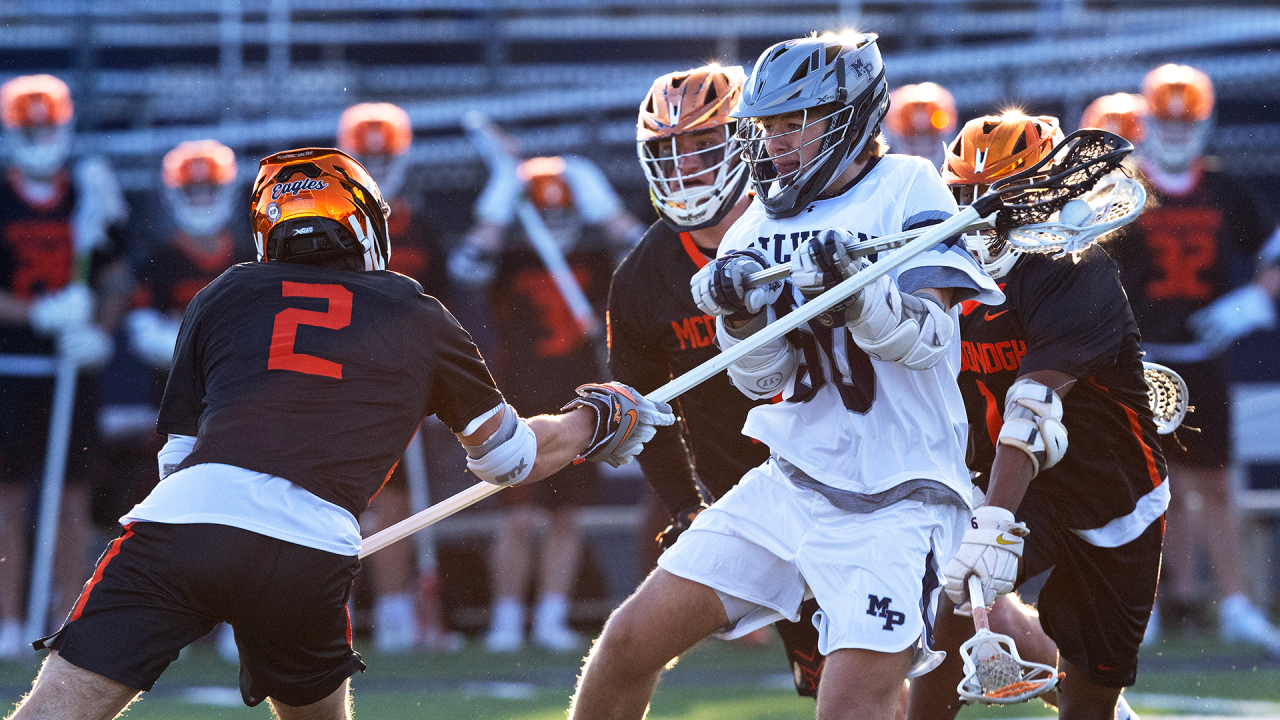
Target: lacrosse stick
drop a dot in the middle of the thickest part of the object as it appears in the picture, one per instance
(1031, 196)
(1167, 393)
(994, 673)
(1115, 202)
(489, 141)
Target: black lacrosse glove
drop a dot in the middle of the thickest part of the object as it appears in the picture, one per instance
(682, 521)
(625, 421)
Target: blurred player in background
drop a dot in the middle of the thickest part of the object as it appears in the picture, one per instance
(921, 119)
(379, 135)
(1063, 444)
(698, 184)
(1176, 264)
(297, 383)
(847, 509)
(63, 280)
(543, 352)
(1122, 113)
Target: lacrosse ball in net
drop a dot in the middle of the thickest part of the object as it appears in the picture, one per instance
(1076, 212)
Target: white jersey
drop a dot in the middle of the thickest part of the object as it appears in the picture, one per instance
(846, 420)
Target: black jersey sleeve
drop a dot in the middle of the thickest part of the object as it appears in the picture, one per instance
(465, 387)
(183, 402)
(636, 358)
(1075, 314)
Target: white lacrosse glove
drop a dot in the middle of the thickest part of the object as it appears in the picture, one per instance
(471, 267)
(892, 326)
(593, 196)
(823, 261)
(1033, 423)
(88, 346)
(625, 421)
(990, 549)
(497, 202)
(152, 336)
(72, 306)
(1233, 316)
(720, 287)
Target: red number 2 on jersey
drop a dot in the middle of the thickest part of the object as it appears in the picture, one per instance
(284, 333)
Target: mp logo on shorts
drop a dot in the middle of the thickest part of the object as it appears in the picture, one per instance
(880, 608)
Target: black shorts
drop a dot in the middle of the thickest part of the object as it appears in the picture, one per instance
(25, 412)
(1209, 444)
(159, 587)
(1096, 601)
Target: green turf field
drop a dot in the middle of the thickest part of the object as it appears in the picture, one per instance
(717, 681)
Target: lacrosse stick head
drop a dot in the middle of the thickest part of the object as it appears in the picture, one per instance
(1114, 202)
(1074, 168)
(1167, 393)
(994, 673)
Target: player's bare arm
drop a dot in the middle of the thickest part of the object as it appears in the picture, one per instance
(559, 438)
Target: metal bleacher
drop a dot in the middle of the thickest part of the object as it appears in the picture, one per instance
(568, 74)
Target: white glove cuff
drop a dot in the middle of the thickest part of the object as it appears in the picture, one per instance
(997, 526)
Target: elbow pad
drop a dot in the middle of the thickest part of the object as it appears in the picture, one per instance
(763, 373)
(506, 458)
(890, 326)
(173, 453)
(1033, 424)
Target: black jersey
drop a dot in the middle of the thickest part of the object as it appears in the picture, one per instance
(36, 254)
(1071, 317)
(1179, 255)
(656, 333)
(174, 272)
(318, 376)
(416, 249)
(544, 354)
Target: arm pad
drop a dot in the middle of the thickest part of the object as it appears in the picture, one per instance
(763, 373)
(506, 457)
(891, 326)
(173, 453)
(1033, 424)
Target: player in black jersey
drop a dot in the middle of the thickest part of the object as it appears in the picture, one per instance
(297, 383)
(685, 139)
(63, 284)
(1176, 261)
(1058, 361)
(542, 352)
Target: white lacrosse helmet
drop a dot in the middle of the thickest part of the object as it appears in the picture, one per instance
(36, 112)
(1180, 111)
(920, 119)
(697, 188)
(378, 136)
(992, 148)
(841, 76)
(199, 186)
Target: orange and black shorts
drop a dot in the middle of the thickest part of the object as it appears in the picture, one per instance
(159, 587)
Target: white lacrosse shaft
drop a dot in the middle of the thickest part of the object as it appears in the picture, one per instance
(679, 386)
(980, 621)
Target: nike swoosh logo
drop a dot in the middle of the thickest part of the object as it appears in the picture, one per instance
(989, 316)
(1001, 541)
(631, 414)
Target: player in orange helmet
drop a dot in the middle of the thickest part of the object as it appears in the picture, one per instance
(297, 384)
(542, 351)
(63, 284)
(1053, 389)
(1176, 262)
(406, 602)
(920, 120)
(1124, 114)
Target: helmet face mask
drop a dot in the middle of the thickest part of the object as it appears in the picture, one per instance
(920, 120)
(37, 112)
(687, 145)
(199, 182)
(379, 136)
(321, 183)
(837, 84)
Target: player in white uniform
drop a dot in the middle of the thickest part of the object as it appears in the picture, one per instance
(866, 494)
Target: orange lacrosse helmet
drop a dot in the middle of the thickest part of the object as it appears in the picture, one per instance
(1179, 93)
(35, 101)
(1122, 113)
(36, 111)
(996, 146)
(545, 183)
(924, 109)
(696, 182)
(374, 129)
(313, 203)
(199, 162)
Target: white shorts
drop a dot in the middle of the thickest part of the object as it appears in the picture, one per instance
(876, 576)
